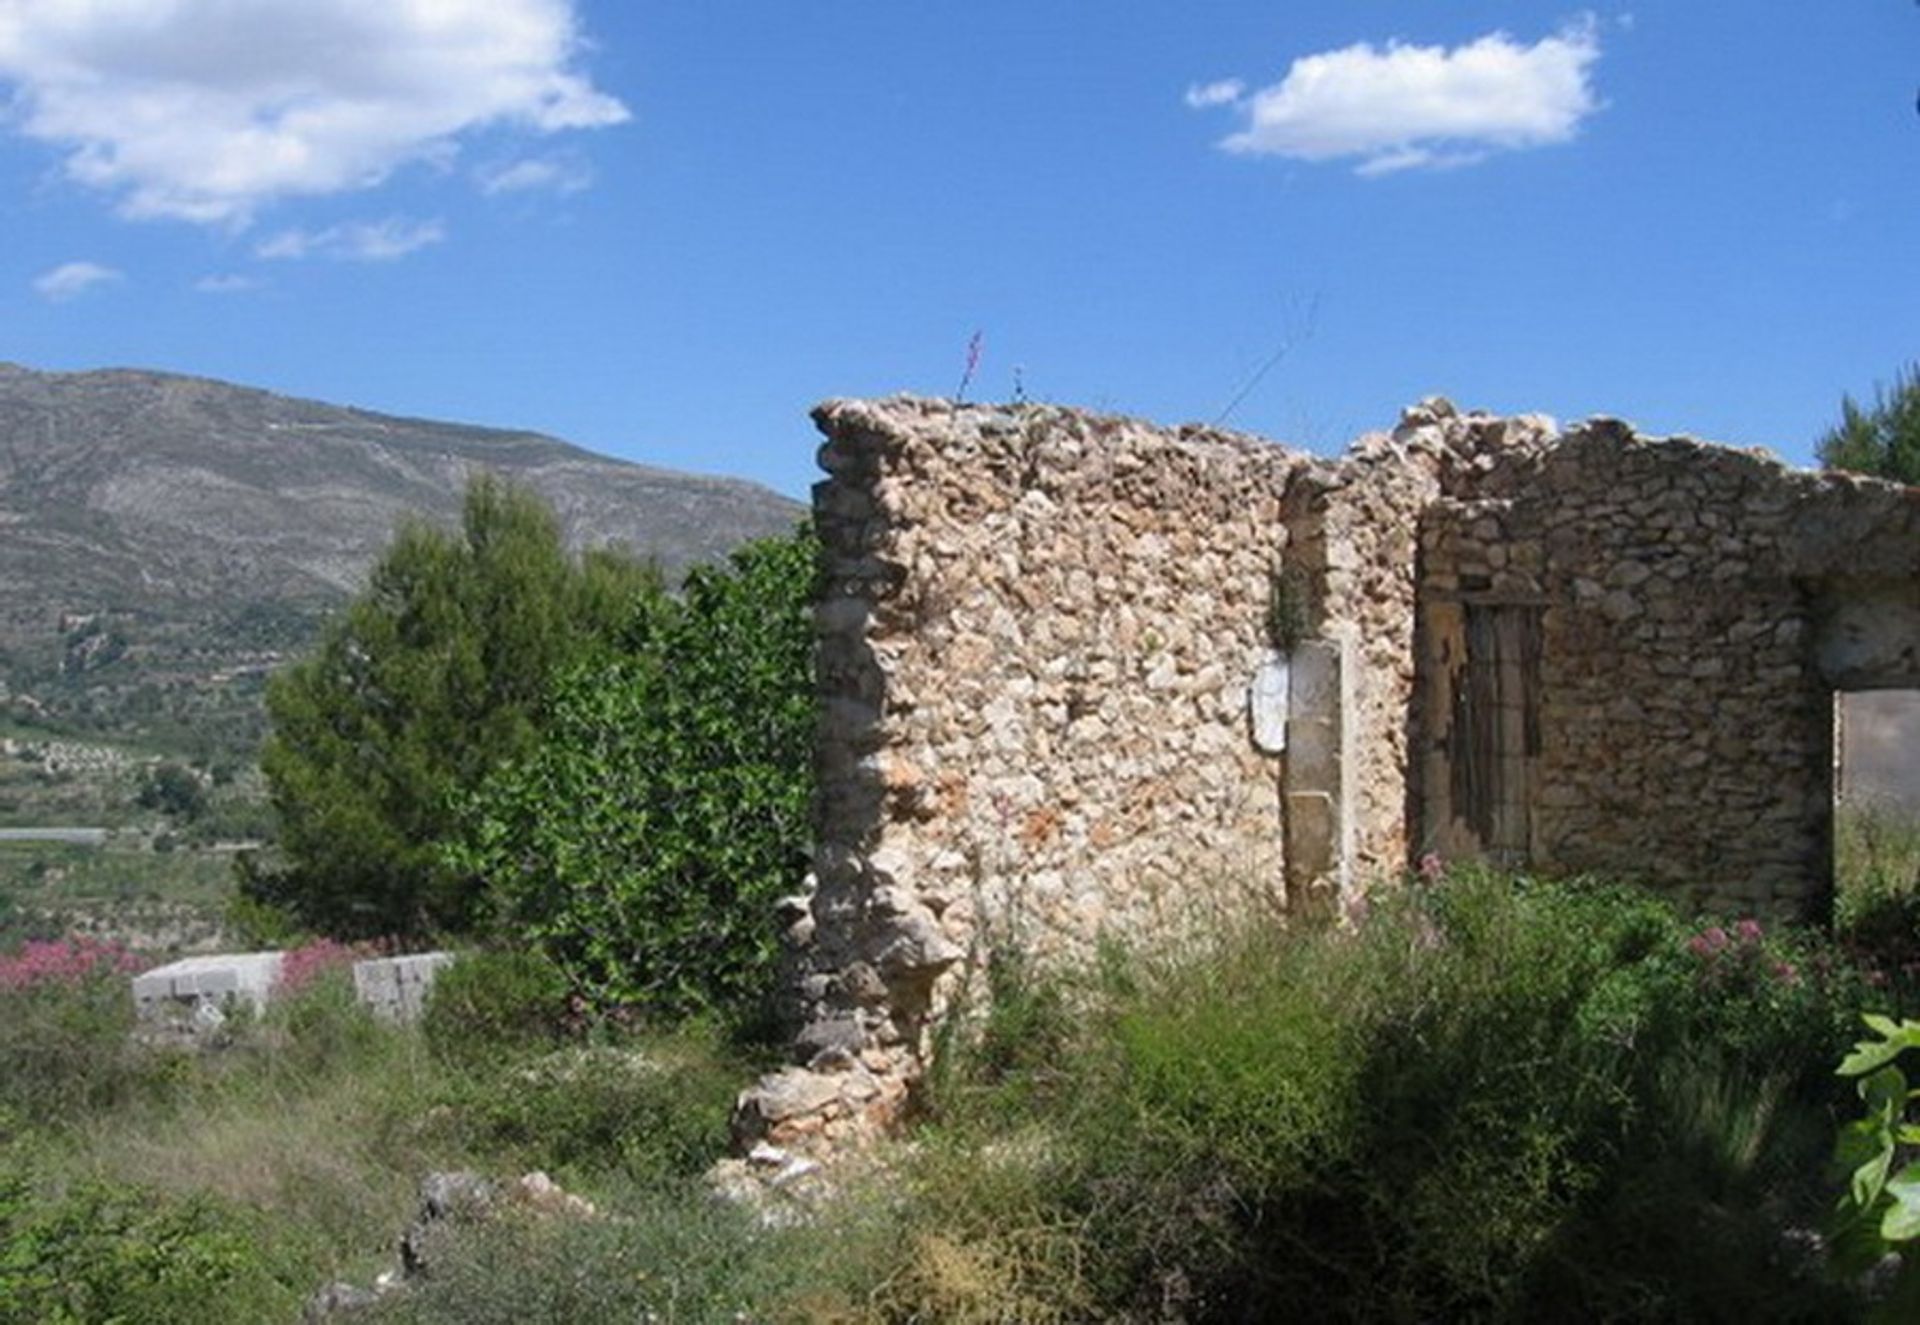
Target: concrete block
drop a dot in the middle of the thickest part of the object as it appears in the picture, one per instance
(396, 987)
(222, 981)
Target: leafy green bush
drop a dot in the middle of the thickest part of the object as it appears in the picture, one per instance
(106, 1252)
(66, 1036)
(1880, 1213)
(427, 681)
(1497, 1100)
(491, 1001)
(643, 845)
(174, 790)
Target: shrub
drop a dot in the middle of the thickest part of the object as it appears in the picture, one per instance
(1880, 1212)
(643, 845)
(319, 1025)
(651, 1109)
(666, 1257)
(428, 680)
(492, 1001)
(1497, 1100)
(1877, 869)
(105, 1252)
(66, 1023)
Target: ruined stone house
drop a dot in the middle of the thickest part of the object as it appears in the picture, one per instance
(1082, 676)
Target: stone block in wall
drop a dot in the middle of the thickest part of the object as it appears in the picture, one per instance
(395, 988)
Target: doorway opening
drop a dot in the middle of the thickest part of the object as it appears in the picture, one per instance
(1876, 799)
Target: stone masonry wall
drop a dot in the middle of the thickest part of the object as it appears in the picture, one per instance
(1036, 644)
(1579, 651)
(1354, 529)
(1682, 721)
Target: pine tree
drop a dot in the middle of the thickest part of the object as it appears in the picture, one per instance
(429, 679)
(1883, 441)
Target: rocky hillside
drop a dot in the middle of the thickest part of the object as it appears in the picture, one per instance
(165, 540)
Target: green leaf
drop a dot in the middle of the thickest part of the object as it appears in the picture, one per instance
(1885, 1093)
(1868, 1055)
(1901, 1223)
(1870, 1178)
(1905, 1185)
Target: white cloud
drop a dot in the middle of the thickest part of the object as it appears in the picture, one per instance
(227, 283)
(354, 241)
(207, 109)
(1222, 93)
(1402, 107)
(559, 174)
(70, 280)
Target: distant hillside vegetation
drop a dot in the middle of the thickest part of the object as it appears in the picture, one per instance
(165, 540)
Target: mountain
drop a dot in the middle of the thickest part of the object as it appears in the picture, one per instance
(165, 540)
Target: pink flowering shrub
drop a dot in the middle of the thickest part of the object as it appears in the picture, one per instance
(68, 962)
(301, 966)
(1742, 957)
(66, 1017)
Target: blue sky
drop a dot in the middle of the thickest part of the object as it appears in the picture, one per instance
(664, 231)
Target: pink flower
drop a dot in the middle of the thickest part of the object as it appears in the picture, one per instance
(1786, 973)
(67, 962)
(1432, 868)
(303, 965)
(1748, 930)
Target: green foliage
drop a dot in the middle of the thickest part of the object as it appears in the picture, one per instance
(429, 680)
(1290, 609)
(67, 1050)
(1879, 1154)
(644, 842)
(488, 1003)
(1877, 912)
(1883, 440)
(174, 790)
(106, 1252)
(670, 1257)
(649, 1108)
(1496, 1100)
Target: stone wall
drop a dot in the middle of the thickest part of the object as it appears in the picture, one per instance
(1579, 651)
(1669, 712)
(1036, 643)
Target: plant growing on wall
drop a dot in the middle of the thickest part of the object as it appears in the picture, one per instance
(1289, 608)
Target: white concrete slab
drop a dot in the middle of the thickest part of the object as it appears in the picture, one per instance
(221, 980)
(396, 987)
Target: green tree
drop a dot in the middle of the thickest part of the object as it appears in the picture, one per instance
(1883, 440)
(430, 679)
(644, 843)
(174, 790)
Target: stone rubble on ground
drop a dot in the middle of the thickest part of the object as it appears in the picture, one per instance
(449, 1200)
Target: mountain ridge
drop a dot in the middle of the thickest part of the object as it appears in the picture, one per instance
(162, 533)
